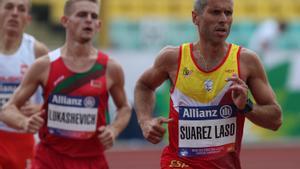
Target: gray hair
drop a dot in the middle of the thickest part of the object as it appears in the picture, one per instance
(199, 5)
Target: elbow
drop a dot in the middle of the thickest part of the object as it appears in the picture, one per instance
(3, 113)
(278, 121)
(277, 125)
(127, 113)
(140, 86)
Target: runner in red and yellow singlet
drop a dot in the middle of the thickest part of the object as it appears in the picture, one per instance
(206, 123)
(209, 101)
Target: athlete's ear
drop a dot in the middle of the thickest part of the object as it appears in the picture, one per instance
(195, 17)
(64, 21)
(99, 24)
(28, 19)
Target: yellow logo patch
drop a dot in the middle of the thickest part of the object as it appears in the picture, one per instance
(178, 164)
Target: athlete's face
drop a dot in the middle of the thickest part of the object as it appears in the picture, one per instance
(14, 15)
(215, 21)
(83, 22)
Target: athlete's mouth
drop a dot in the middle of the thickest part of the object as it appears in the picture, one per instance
(221, 30)
(88, 29)
(13, 22)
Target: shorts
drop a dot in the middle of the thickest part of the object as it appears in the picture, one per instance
(16, 150)
(172, 161)
(46, 158)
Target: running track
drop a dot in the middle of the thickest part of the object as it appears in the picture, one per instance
(252, 157)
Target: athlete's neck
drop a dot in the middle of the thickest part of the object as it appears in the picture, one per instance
(77, 50)
(79, 58)
(208, 56)
(9, 43)
(212, 52)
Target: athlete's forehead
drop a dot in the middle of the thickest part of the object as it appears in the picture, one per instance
(73, 6)
(15, 2)
(85, 6)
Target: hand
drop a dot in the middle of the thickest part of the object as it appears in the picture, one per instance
(33, 123)
(153, 130)
(239, 91)
(107, 136)
(29, 109)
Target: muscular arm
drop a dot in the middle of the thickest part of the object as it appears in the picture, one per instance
(115, 82)
(117, 91)
(35, 76)
(164, 67)
(266, 112)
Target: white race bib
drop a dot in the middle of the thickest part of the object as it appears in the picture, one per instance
(6, 91)
(206, 130)
(72, 116)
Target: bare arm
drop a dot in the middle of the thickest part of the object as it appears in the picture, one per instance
(117, 91)
(30, 108)
(123, 113)
(164, 67)
(266, 112)
(40, 49)
(11, 113)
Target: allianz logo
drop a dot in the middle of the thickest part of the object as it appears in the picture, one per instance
(71, 101)
(225, 111)
(66, 100)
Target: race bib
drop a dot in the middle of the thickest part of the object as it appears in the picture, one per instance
(72, 116)
(4, 97)
(206, 130)
(6, 91)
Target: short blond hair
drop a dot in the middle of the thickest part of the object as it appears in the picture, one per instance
(69, 3)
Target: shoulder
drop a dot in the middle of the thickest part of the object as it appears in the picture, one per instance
(40, 49)
(113, 64)
(249, 57)
(39, 69)
(114, 69)
(250, 63)
(42, 62)
(167, 56)
(170, 52)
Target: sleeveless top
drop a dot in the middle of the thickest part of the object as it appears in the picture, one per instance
(75, 105)
(13, 68)
(207, 124)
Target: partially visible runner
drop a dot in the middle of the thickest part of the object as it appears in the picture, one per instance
(209, 101)
(77, 80)
(18, 51)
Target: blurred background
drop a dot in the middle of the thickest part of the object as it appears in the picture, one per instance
(134, 31)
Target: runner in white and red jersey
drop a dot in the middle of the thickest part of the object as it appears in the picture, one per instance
(18, 51)
(77, 80)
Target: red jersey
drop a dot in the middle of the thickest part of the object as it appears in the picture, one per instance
(76, 105)
(207, 128)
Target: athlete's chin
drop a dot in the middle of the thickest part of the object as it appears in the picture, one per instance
(221, 38)
(12, 31)
(85, 40)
